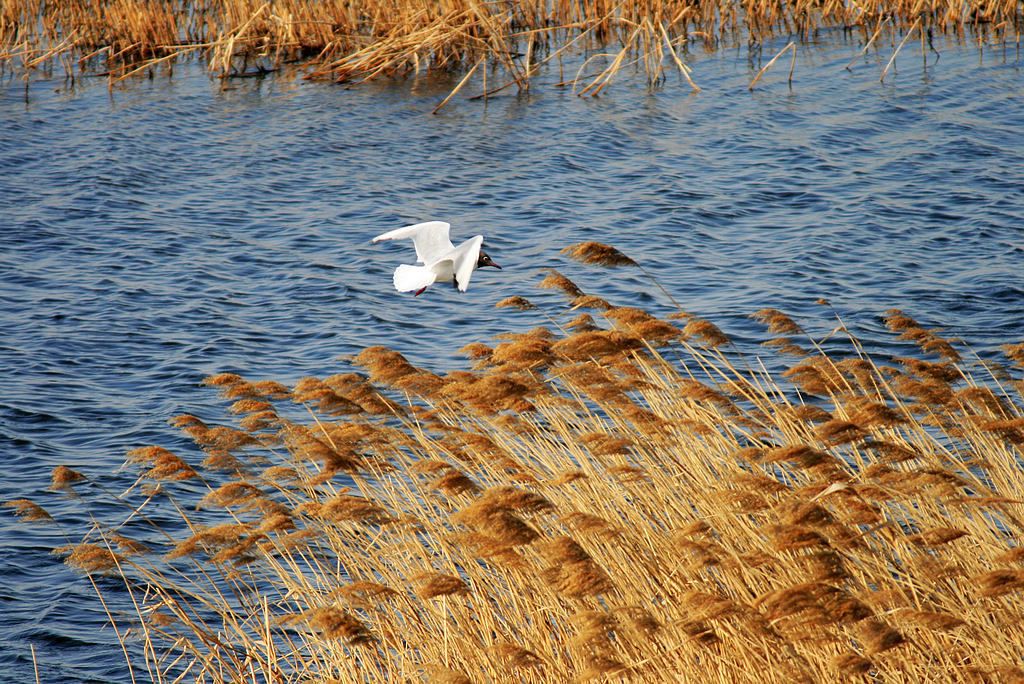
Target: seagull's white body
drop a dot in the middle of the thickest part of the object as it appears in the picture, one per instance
(442, 261)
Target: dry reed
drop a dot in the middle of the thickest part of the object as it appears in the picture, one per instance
(353, 41)
(587, 506)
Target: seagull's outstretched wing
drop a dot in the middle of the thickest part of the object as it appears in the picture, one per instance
(464, 260)
(430, 238)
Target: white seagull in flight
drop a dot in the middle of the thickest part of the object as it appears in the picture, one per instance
(442, 261)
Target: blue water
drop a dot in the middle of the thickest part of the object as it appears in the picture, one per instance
(171, 229)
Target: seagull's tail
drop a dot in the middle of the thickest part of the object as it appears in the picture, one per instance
(409, 278)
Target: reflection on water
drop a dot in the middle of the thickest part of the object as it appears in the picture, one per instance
(171, 230)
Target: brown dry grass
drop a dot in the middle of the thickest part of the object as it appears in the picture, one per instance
(619, 503)
(351, 41)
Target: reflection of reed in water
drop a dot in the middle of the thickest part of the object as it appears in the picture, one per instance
(353, 41)
(618, 498)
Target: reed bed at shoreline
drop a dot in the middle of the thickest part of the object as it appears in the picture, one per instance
(615, 497)
(352, 41)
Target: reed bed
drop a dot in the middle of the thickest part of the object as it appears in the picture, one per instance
(351, 41)
(615, 497)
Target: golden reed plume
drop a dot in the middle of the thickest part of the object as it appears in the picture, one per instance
(616, 498)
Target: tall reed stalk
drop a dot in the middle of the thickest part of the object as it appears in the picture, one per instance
(350, 41)
(612, 500)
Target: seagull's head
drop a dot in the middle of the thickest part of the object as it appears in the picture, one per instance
(485, 260)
